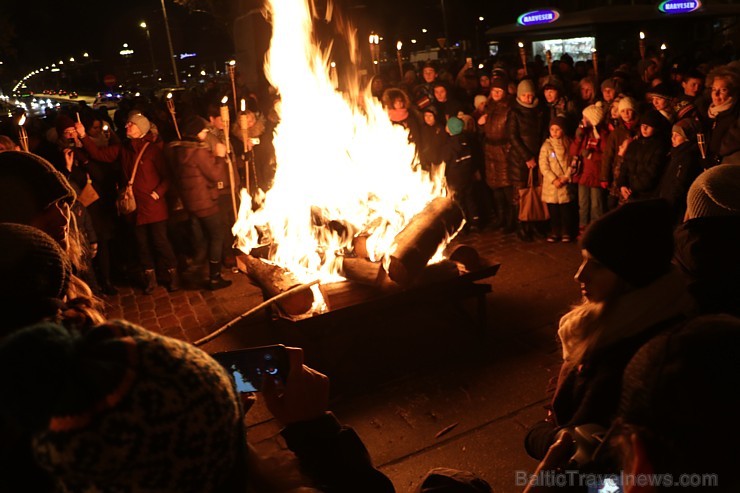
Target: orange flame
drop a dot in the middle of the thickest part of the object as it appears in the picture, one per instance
(343, 168)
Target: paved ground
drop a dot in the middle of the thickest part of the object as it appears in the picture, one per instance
(420, 387)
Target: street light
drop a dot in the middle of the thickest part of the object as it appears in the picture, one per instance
(143, 25)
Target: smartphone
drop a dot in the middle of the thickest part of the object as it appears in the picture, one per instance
(249, 367)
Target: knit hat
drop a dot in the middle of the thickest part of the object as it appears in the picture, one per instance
(594, 114)
(28, 185)
(455, 125)
(635, 241)
(685, 128)
(192, 126)
(62, 123)
(126, 410)
(560, 121)
(654, 119)
(715, 192)
(660, 91)
(611, 83)
(500, 83)
(478, 100)
(35, 273)
(526, 86)
(552, 82)
(627, 103)
(140, 121)
(680, 388)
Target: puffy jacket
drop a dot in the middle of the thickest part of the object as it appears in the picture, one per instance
(197, 171)
(151, 175)
(591, 151)
(555, 165)
(644, 163)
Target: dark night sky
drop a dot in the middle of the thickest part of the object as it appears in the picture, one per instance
(53, 30)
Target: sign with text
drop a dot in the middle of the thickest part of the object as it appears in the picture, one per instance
(544, 16)
(679, 6)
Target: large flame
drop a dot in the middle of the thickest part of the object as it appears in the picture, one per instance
(343, 168)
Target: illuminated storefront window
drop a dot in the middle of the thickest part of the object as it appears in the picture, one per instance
(578, 48)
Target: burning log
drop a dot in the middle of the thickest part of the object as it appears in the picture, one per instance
(421, 238)
(359, 246)
(362, 271)
(274, 280)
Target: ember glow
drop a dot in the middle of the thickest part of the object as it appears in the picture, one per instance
(343, 169)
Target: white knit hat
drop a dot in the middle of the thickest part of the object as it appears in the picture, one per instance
(627, 103)
(594, 114)
(715, 192)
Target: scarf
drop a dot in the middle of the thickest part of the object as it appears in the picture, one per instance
(715, 110)
(593, 326)
(398, 115)
(533, 105)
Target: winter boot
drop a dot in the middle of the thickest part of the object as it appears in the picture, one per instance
(174, 280)
(150, 281)
(215, 281)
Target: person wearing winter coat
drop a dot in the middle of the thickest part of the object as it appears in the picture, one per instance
(588, 151)
(555, 104)
(557, 191)
(433, 139)
(721, 120)
(631, 293)
(398, 105)
(708, 242)
(626, 130)
(460, 170)
(495, 149)
(645, 159)
(197, 172)
(150, 185)
(683, 168)
(524, 127)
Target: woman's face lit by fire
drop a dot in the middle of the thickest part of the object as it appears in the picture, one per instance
(598, 282)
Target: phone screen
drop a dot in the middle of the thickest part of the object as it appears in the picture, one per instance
(249, 367)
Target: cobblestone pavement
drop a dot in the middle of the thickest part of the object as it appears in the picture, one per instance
(467, 406)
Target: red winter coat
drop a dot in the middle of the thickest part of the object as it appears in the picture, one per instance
(591, 151)
(151, 175)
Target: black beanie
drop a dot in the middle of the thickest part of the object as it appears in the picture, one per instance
(192, 126)
(635, 241)
(654, 119)
(35, 274)
(28, 185)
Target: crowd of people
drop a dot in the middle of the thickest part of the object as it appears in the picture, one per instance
(642, 132)
(649, 357)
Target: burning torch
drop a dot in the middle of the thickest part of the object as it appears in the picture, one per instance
(244, 126)
(595, 60)
(227, 126)
(398, 55)
(642, 45)
(22, 135)
(232, 75)
(375, 50)
(523, 56)
(171, 108)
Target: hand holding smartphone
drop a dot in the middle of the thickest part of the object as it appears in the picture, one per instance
(252, 366)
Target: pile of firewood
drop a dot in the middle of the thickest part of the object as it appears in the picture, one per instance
(415, 245)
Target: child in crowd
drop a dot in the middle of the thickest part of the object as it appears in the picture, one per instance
(557, 191)
(588, 151)
(683, 168)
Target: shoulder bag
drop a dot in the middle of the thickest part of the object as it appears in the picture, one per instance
(125, 203)
(531, 207)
